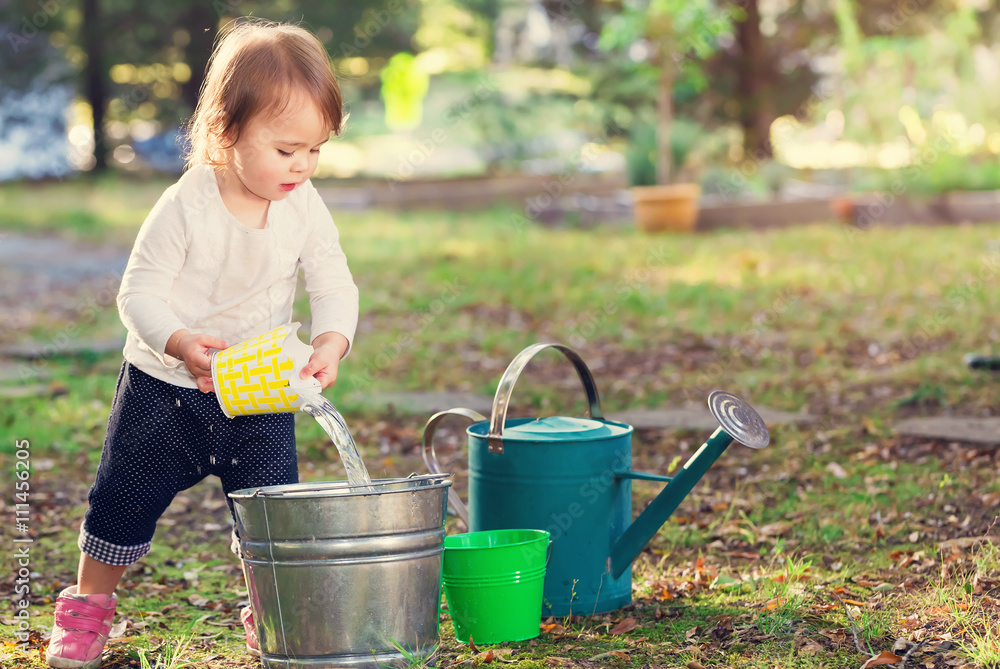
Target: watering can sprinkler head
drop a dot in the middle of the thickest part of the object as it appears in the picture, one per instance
(737, 422)
(738, 419)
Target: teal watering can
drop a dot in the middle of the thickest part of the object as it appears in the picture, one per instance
(572, 477)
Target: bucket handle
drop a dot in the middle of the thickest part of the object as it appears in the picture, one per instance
(430, 458)
(506, 386)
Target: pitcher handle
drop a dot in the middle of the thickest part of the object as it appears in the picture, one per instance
(506, 386)
(430, 458)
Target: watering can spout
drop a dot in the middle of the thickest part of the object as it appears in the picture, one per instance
(738, 422)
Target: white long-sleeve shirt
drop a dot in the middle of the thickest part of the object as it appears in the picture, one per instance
(195, 267)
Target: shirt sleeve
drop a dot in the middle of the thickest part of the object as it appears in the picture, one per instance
(333, 295)
(156, 260)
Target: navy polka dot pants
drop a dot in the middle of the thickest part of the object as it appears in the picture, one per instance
(163, 439)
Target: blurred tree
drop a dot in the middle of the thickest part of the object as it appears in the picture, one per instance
(30, 46)
(781, 47)
(675, 36)
(146, 62)
(780, 52)
(920, 81)
(196, 38)
(755, 83)
(95, 76)
(36, 83)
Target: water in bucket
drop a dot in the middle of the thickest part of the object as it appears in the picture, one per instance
(333, 424)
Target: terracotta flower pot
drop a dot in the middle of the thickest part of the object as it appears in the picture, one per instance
(672, 208)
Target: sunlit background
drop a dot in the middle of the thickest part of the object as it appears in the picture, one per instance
(769, 97)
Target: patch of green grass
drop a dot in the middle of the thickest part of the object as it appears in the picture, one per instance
(983, 647)
(107, 208)
(859, 328)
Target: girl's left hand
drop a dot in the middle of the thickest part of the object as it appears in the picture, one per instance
(328, 349)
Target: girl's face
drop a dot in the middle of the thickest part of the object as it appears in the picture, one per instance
(273, 156)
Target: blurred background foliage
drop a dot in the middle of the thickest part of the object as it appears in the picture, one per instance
(854, 93)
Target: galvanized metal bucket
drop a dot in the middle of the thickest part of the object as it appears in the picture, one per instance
(342, 576)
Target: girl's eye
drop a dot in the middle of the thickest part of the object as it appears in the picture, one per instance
(284, 153)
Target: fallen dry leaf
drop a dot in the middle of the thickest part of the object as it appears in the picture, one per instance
(118, 629)
(964, 542)
(626, 625)
(197, 600)
(885, 657)
(610, 653)
(810, 647)
(775, 529)
(869, 425)
(746, 555)
(837, 471)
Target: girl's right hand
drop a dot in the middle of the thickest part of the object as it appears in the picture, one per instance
(194, 349)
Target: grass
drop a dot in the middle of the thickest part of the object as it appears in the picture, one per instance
(860, 329)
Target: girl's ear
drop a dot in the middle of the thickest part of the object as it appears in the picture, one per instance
(226, 139)
(224, 146)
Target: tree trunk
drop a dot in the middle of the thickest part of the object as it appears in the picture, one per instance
(756, 107)
(95, 82)
(665, 117)
(201, 23)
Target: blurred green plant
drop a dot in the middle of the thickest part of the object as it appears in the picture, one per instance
(675, 37)
(641, 152)
(404, 87)
(948, 172)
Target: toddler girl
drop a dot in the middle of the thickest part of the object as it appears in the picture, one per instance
(216, 262)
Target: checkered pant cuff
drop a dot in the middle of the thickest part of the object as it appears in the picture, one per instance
(109, 553)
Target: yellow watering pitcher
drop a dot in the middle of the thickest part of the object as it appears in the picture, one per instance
(261, 374)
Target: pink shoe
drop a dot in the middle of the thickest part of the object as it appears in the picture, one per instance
(83, 623)
(253, 646)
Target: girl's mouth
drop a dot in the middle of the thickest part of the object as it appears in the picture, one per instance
(287, 187)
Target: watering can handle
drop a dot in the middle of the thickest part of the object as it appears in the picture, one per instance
(506, 386)
(430, 458)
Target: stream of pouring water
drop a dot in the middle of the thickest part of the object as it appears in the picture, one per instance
(333, 423)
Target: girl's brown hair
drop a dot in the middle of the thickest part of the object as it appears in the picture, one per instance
(255, 68)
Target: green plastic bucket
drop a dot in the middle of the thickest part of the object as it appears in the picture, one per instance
(493, 583)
